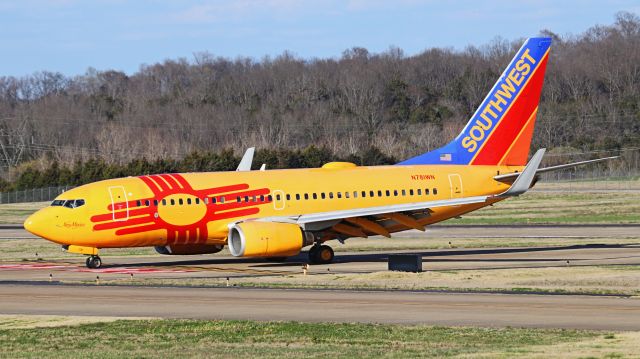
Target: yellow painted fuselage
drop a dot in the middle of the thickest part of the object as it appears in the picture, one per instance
(197, 208)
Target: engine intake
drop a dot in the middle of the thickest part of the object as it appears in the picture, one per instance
(267, 239)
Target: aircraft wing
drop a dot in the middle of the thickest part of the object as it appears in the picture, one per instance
(380, 210)
(352, 222)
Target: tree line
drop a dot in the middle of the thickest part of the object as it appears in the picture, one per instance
(81, 172)
(169, 112)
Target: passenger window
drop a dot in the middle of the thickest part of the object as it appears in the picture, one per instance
(331, 195)
(297, 196)
(254, 199)
(426, 191)
(388, 193)
(435, 191)
(322, 195)
(138, 203)
(339, 194)
(270, 198)
(246, 198)
(404, 193)
(410, 192)
(180, 201)
(147, 203)
(315, 196)
(371, 194)
(155, 202)
(206, 200)
(261, 198)
(197, 200)
(288, 196)
(277, 197)
(306, 196)
(419, 192)
(173, 202)
(188, 200)
(222, 199)
(346, 195)
(238, 199)
(213, 200)
(355, 194)
(395, 192)
(164, 202)
(379, 193)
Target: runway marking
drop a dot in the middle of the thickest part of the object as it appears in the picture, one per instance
(31, 266)
(73, 267)
(69, 268)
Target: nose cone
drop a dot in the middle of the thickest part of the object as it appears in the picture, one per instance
(37, 223)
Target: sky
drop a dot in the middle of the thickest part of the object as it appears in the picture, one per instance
(70, 36)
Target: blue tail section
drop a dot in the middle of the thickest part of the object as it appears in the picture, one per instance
(510, 107)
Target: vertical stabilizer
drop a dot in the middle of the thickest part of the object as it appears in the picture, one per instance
(500, 131)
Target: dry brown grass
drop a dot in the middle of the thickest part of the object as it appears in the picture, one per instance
(23, 321)
(622, 280)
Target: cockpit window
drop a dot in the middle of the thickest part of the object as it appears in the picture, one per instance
(69, 203)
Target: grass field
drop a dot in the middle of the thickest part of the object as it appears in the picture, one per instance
(233, 339)
(559, 208)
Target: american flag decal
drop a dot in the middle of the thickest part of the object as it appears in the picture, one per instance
(445, 157)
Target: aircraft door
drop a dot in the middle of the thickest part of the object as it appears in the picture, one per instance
(455, 181)
(278, 200)
(119, 203)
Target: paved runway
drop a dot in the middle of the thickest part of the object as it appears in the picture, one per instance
(492, 310)
(24, 286)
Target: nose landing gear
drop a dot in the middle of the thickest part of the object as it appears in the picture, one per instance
(94, 262)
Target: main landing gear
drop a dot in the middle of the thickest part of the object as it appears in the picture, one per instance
(94, 262)
(320, 254)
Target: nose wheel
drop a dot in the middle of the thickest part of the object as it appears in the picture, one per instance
(94, 262)
(320, 254)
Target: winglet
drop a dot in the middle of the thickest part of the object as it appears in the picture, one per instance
(247, 160)
(525, 179)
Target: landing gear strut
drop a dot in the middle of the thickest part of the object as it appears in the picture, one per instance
(94, 262)
(320, 254)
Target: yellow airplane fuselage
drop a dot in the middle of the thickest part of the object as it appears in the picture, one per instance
(197, 208)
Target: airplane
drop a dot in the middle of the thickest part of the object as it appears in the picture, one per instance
(274, 214)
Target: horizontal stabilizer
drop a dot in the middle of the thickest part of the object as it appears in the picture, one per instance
(509, 176)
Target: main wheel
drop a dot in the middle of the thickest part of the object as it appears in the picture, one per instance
(321, 254)
(94, 262)
(325, 254)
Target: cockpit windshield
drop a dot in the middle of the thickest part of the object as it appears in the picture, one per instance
(69, 203)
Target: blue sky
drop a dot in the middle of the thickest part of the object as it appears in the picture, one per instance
(71, 35)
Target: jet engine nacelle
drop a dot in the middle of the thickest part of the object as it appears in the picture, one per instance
(267, 239)
(186, 249)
